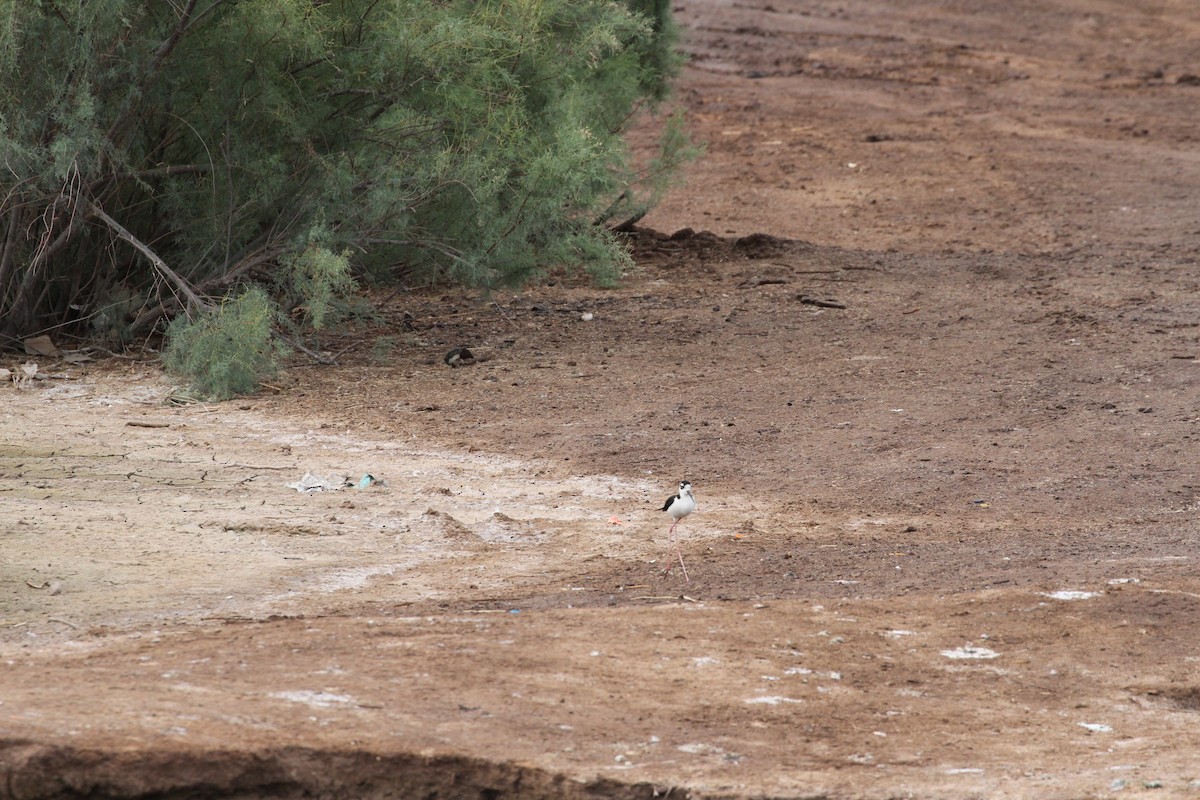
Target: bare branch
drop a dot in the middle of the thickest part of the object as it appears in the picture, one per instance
(161, 266)
(315, 356)
(263, 256)
(7, 250)
(627, 225)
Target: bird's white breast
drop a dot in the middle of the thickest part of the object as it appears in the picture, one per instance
(684, 504)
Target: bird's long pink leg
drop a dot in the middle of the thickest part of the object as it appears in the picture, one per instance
(670, 541)
(678, 551)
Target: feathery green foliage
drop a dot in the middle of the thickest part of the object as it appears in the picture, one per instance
(227, 351)
(172, 151)
(315, 278)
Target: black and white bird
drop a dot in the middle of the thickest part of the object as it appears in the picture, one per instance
(679, 506)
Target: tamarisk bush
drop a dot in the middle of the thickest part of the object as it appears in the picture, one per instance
(157, 156)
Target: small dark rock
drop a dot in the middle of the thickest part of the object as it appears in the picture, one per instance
(761, 245)
(459, 357)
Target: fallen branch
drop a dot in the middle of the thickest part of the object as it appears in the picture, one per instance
(809, 300)
(171, 275)
(315, 356)
(627, 225)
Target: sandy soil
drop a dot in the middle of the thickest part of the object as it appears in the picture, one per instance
(923, 329)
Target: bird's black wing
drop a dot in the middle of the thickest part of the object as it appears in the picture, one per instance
(670, 500)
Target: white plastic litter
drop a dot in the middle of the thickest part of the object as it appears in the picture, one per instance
(313, 483)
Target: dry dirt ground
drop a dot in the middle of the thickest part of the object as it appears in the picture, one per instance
(947, 536)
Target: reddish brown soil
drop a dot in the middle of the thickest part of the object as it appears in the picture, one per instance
(999, 404)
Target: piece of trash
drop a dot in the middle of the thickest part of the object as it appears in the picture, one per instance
(1095, 727)
(970, 651)
(514, 611)
(982, 503)
(1152, 784)
(367, 481)
(614, 520)
(587, 316)
(1070, 594)
(312, 483)
(40, 346)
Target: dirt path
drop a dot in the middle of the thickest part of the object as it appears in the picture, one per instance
(929, 351)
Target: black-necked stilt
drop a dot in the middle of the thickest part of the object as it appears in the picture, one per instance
(679, 506)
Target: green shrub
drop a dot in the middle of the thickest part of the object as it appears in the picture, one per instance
(316, 279)
(177, 149)
(226, 351)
